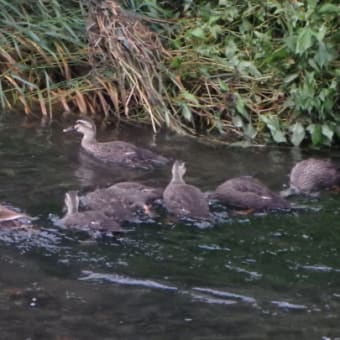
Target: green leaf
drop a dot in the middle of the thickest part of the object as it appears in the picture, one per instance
(279, 136)
(250, 131)
(237, 121)
(189, 97)
(315, 132)
(241, 106)
(273, 124)
(329, 9)
(198, 33)
(304, 41)
(298, 134)
(327, 132)
(290, 78)
(223, 86)
(186, 112)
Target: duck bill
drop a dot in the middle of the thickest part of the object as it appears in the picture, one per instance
(69, 129)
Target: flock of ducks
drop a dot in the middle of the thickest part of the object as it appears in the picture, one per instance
(106, 209)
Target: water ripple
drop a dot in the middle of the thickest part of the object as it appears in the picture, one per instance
(252, 275)
(288, 305)
(123, 280)
(210, 300)
(320, 268)
(225, 294)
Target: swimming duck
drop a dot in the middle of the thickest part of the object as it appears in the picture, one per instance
(10, 218)
(115, 152)
(184, 200)
(247, 192)
(7, 214)
(103, 200)
(131, 194)
(311, 175)
(87, 220)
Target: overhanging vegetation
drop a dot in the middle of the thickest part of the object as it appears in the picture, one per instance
(232, 70)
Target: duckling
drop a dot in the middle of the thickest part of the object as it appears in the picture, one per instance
(311, 175)
(86, 220)
(115, 152)
(131, 194)
(184, 200)
(247, 192)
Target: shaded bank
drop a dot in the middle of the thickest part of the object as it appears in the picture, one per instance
(231, 69)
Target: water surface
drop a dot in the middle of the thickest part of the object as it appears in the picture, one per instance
(250, 277)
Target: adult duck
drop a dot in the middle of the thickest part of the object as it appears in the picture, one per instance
(311, 175)
(114, 152)
(184, 200)
(248, 193)
(91, 220)
(12, 218)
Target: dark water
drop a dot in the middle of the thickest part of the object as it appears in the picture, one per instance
(256, 277)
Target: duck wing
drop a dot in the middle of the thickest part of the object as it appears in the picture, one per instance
(126, 153)
(107, 202)
(135, 194)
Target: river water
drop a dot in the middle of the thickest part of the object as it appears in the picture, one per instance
(264, 276)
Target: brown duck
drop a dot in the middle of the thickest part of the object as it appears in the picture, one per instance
(131, 195)
(86, 220)
(115, 152)
(184, 200)
(311, 175)
(247, 192)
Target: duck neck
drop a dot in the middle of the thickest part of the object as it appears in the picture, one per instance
(72, 203)
(177, 177)
(89, 138)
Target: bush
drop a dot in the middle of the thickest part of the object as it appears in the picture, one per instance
(241, 69)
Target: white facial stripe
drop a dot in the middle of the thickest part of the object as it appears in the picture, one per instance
(84, 123)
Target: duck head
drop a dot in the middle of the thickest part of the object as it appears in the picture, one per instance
(84, 126)
(178, 171)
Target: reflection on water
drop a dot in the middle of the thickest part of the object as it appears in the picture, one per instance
(254, 277)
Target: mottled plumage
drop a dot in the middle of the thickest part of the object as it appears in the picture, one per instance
(115, 152)
(184, 200)
(102, 200)
(133, 194)
(247, 192)
(312, 175)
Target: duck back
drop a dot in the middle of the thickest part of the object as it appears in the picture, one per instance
(314, 174)
(102, 200)
(127, 154)
(185, 201)
(247, 192)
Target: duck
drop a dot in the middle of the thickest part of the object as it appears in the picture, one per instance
(184, 200)
(114, 152)
(12, 218)
(91, 220)
(311, 175)
(7, 214)
(105, 201)
(249, 193)
(133, 195)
